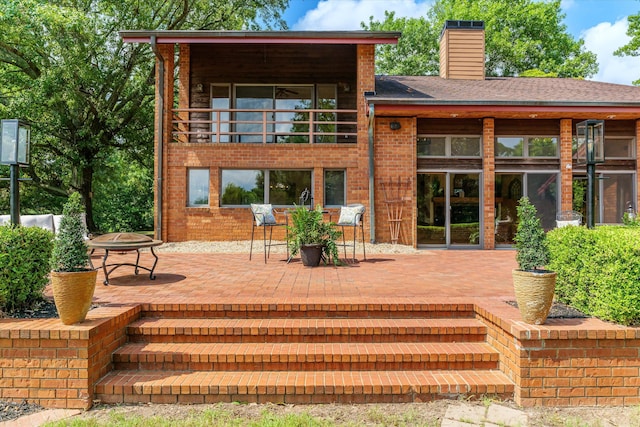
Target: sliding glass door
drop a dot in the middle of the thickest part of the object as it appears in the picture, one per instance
(449, 209)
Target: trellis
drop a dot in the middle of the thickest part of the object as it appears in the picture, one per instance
(396, 193)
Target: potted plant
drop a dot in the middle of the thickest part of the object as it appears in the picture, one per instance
(533, 285)
(315, 239)
(72, 280)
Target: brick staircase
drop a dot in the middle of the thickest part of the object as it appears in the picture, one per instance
(304, 353)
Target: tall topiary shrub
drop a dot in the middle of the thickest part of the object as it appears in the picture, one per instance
(69, 249)
(530, 239)
(24, 266)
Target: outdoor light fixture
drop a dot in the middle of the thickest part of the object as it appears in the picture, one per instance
(15, 143)
(14, 151)
(590, 136)
(394, 125)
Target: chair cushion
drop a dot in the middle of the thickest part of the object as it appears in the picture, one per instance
(42, 221)
(350, 215)
(263, 214)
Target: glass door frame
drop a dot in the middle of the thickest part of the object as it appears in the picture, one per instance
(448, 196)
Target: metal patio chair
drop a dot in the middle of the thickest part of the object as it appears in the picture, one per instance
(264, 216)
(352, 216)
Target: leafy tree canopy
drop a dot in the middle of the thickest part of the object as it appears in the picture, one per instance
(64, 68)
(521, 36)
(633, 47)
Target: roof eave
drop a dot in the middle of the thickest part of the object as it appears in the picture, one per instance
(267, 37)
(532, 103)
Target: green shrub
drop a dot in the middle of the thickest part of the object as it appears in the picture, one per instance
(69, 248)
(530, 239)
(24, 265)
(598, 270)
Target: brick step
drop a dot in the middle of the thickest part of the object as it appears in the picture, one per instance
(305, 357)
(299, 387)
(299, 310)
(306, 330)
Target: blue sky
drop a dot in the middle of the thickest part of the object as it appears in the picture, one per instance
(601, 23)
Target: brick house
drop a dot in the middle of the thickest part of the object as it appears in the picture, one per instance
(262, 116)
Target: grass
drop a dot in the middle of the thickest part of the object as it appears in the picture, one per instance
(272, 415)
(226, 416)
(207, 418)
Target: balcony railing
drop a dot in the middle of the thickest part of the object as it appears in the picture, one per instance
(205, 125)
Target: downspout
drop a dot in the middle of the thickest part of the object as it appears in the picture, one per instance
(372, 214)
(160, 134)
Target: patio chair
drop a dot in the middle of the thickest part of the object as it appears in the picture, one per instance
(352, 216)
(264, 216)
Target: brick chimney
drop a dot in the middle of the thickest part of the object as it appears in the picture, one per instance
(462, 50)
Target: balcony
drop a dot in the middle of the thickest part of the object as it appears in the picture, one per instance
(297, 126)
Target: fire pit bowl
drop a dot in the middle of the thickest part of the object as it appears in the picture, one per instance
(124, 242)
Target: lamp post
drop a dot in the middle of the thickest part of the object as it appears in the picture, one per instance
(590, 135)
(14, 151)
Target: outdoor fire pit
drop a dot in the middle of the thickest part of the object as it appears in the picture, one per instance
(124, 242)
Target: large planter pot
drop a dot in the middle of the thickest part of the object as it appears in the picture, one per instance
(534, 294)
(72, 294)
(310, 255)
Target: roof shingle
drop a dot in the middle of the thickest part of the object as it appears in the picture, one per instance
(503, 90)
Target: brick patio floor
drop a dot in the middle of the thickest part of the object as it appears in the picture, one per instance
(186, 278)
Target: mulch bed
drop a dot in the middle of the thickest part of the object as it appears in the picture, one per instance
(560, 311)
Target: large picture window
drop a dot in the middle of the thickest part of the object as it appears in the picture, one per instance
(278, 187)
(449, 146)
(198, 187)
(273, 113)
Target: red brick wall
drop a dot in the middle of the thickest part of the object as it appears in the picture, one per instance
(489, 178)
(566, 167)
(395, 162)
(182, 223)
(57, 366)
(584, 365)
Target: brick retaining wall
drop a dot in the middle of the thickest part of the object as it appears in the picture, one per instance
(56, 366)
(568, 362)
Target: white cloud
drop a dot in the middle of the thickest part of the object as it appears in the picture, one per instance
(348, 14)
(603, 40)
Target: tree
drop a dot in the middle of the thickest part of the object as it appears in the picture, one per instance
(521, 36)
(633, 47)
(64, 68)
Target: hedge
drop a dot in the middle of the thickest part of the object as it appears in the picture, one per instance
(24, 266)
(598, 270)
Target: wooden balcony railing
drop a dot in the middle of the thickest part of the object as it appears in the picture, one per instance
(205, 125)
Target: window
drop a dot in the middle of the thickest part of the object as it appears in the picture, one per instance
(334, 188)
(198, 184)
(542, 146)
(432, 146)
(449, 146)
(273, 113)
(530, 146)
(326, 99)
(220, 101)
(278, 187)
(509, 147)
(619, 148)
(250, 124)
(242, 187)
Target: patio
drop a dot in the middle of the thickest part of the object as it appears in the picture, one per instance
(395, 328)
(231, 278)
